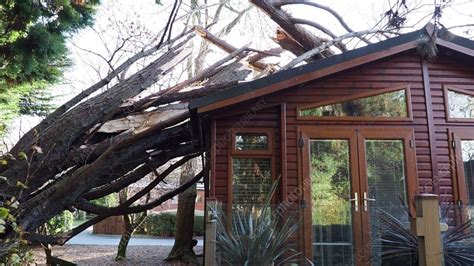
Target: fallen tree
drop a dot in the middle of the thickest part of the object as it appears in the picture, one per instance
(95, 145)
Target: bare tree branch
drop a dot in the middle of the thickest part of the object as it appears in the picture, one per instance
(208, 72)
(326, 8)
(123, 209)
(26, 141)
(326, 45)
(305, 39)
(321, 28)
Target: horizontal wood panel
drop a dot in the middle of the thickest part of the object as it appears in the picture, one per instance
(404, 69)
(446, 71)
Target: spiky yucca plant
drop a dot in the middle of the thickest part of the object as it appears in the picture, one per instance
(253, 239)
(397, 241)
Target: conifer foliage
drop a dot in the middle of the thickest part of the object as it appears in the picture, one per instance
(33, 51)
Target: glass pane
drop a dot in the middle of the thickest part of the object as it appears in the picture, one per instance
(468, 162)
(250, 141)
(391, 104)
(460, 105)
(387, 197)
(331, 209)
(251, 183)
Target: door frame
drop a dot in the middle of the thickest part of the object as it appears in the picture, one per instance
(407, 135)
(456, 135)
(352, 133)
(306, 134)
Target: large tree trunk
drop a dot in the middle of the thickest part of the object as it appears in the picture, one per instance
(114, 163)
(183, 245)
(56, 140)
(301, 37)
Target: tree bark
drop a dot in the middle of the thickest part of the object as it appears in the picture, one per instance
(105, 212)
(56, 140)
(183, 245)
(127, 233)
(303, 37)
(287, 42)
(130, 225)
(326, 8)
(114, 163)
(130, 228)
(25, 142)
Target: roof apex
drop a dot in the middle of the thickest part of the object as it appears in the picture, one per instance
(320, 68)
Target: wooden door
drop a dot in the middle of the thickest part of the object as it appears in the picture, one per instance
(333, 224)
(345, 169)
(462, 146)
(388, 182)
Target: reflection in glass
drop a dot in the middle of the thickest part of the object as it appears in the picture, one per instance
(460, 105)
(467, 147)
(251, 183)
(390, 104)
(331, 210)
(251, 141)
(387, 187)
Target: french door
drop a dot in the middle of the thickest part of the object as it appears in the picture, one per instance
(462, 144)
(352, 177)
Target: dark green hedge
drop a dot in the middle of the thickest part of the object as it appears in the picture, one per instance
(163, 224)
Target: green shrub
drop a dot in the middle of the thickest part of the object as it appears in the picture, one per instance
(17, 255)
(110, 200)
(199, 225)
(163, 224)
(60, 223)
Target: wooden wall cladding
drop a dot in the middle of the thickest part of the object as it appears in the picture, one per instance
(268, 117)
(445, 71)
(113, 225)
(434, 172)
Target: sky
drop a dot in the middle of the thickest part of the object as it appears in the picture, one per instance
(144, 19)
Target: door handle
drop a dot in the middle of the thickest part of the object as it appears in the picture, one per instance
(366, 201)
(356, 201)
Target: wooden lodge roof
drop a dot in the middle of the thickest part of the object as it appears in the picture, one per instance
(462, 48)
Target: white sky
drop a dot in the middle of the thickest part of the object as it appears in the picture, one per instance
(145, 18)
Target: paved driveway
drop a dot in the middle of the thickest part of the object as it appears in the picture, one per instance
(87, 238)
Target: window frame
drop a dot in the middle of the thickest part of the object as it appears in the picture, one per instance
(248, 154)
(447, 88)
(356, 97)
(270, 132)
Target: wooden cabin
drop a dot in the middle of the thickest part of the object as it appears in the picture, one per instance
(347, 135)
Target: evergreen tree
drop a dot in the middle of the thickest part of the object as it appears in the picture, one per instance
(33, 53)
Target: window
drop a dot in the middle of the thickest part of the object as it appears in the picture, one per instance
(251, 141)
(251, 169)
(467, 157)
(467, 151)
(251, 181)
(387, 104)
(459, 104)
